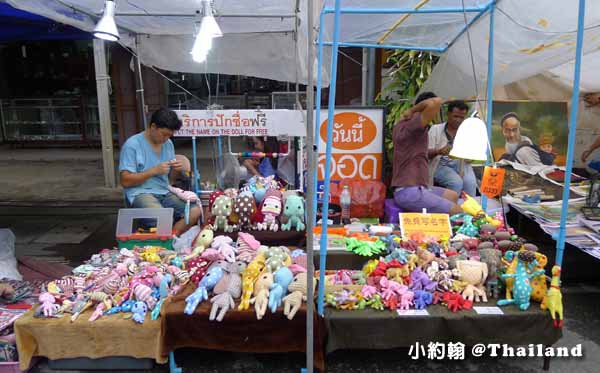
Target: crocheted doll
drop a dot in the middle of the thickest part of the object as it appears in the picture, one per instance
(298, 289)
(247, 246)
(261, 294)
(226, 290)
(270, 209)
(222, 208)
(244, 207)
(294, 211)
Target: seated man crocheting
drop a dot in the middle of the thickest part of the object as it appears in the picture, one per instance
(410, 174)
(148, 165)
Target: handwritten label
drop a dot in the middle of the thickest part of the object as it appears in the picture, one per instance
(430, 225)
(488, 310)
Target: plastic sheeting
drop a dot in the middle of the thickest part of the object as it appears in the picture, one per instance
(254, 42)
(433, 30)
(530, 37)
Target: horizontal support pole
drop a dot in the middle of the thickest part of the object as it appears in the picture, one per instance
(388, 46)
(192, 15)
(406, 11)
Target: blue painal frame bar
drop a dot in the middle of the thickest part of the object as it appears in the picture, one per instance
(335, 44)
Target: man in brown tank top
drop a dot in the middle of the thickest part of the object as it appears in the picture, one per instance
(410, 175)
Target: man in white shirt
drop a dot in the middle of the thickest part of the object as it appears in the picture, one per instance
(518, 148)
(453, 174)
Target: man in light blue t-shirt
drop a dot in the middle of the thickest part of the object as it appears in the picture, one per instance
(147, 166)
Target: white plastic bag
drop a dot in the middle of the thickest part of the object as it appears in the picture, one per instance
(8, 261)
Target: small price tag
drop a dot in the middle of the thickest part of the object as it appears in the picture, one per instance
(488, 310)
(492, 181)
(412, 312)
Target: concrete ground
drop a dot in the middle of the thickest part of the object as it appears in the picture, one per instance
(73, 176)
(71, 235)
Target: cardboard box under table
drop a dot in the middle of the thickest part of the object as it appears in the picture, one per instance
(109, 336)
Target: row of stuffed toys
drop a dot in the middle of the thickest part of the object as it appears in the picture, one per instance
(483, 259)
(132, 282)
(247, 273)
(261, 204)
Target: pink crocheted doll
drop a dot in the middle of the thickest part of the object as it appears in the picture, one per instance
(270, 209)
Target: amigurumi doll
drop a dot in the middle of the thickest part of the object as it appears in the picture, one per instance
(294, 211)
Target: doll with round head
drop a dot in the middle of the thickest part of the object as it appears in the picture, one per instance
(270, 209)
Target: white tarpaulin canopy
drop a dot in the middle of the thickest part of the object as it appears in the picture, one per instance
(259, 36)
(530, 37)
(435, 30)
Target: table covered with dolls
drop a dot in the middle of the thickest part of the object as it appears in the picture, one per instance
(239, 331)
(108, 307)
(418, 288)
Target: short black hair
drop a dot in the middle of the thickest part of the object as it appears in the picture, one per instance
(457, 104)
(166, 118)
(425, 96)
(506, 116)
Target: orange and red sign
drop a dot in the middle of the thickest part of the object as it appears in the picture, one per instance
(357, 141)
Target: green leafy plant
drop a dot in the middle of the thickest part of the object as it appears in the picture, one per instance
(408, 71)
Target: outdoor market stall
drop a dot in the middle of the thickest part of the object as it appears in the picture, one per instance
(421, 34)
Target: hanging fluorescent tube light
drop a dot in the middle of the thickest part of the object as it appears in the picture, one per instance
(106, 28)
(209, 29)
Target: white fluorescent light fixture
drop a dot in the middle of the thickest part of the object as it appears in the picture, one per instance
(106, 28)
(209, 29)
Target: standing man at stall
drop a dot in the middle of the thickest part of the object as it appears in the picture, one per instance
(456, 175)
(410, 175)
(147, 166)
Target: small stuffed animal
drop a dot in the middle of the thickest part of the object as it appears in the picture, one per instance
(202, 242)
(139, 311)
(270, 209)
(525, 271)
(282, 279)
(226, 290)
(249, 276)
(207, 283)
(244, 207)
(221, 210)
(298, 289)
(294, 211)
(261, 294)
(276, 257)
(420, 281)
(422, 299)
(223, 245)
(49, 306)
(247, 246)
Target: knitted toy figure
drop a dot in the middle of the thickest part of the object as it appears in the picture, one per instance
(538, 283)
(226, 290)
(474, 273)
(202, 242)
(420, 281)
(294, 211)
(221, 210)
(247, 246)
(553, 299)
(261, 294)
(139, 311)
(422, 299)
(282, 279)
(249, 276)
(223, 245)
(276, 257)
(270, 209)
(208, 282)
(244, 207)
(526, 264)
(298, 290)
(492, 257)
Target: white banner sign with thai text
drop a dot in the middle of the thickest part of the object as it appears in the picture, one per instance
(213, 123)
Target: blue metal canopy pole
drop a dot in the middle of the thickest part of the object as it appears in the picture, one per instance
(195, 176)
(328, 151)
(490, 92)
(318, 116)
(560, 245)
